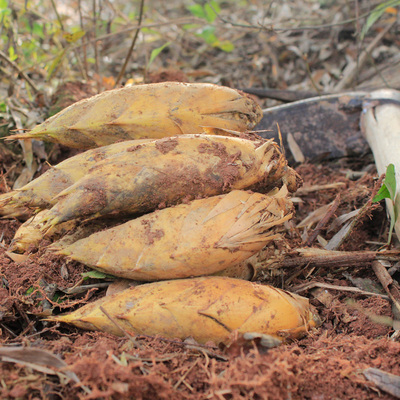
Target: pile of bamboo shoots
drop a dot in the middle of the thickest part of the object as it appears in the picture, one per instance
(171, 187)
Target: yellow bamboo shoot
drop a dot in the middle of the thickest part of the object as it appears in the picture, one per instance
(205, 308)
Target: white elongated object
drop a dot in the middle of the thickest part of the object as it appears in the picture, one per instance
(380, 123)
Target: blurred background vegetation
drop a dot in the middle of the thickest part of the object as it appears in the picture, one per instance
(313, 45)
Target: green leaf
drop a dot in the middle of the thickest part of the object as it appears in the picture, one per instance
(383, 193)
(210, 13)
(95, 275)
(388, 189)
(3, 107)
(376, 14)
(37, 29)
(214, 4)
(197, 10)
(207, 34)
(390, 180)
(59, 298)
(225, 45)
(73, 37)
(4, 11)
(151, 31)
(11, 53)
(156, 52)
(188, 27)
(30, 290)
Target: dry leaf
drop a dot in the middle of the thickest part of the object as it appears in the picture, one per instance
(37, 359)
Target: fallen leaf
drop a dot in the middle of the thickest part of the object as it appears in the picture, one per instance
(37, 359)
(342, 219)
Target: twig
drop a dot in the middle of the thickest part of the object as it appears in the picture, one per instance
(310, 285)
(8, 330)
(391, 287)
(178, 21)
(20, 72)
(377, 71)
(310, 257)
(330, 259)
(356, 67)
(79, 63)
(164, 358)
(206, 352)
(117, 11)
(357, 33)
(122, 72)
(57, 15)
(51, 328)
(96, 50)
(84, 41)
(182, 378)
(28, 328)
(308, 70)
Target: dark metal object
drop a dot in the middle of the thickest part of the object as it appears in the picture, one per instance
(323, 127)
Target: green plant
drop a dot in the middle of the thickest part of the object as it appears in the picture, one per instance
(377, 13)
(25, 35)
(209, 12)
(29, 291)
(155, 53)
(96, 275)
(388, 191)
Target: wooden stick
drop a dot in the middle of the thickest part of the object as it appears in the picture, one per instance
(20, 72)
(389, 284)
(128, 56)
(271, 259)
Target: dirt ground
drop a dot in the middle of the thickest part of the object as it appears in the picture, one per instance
(331, 361)
(327, 364)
